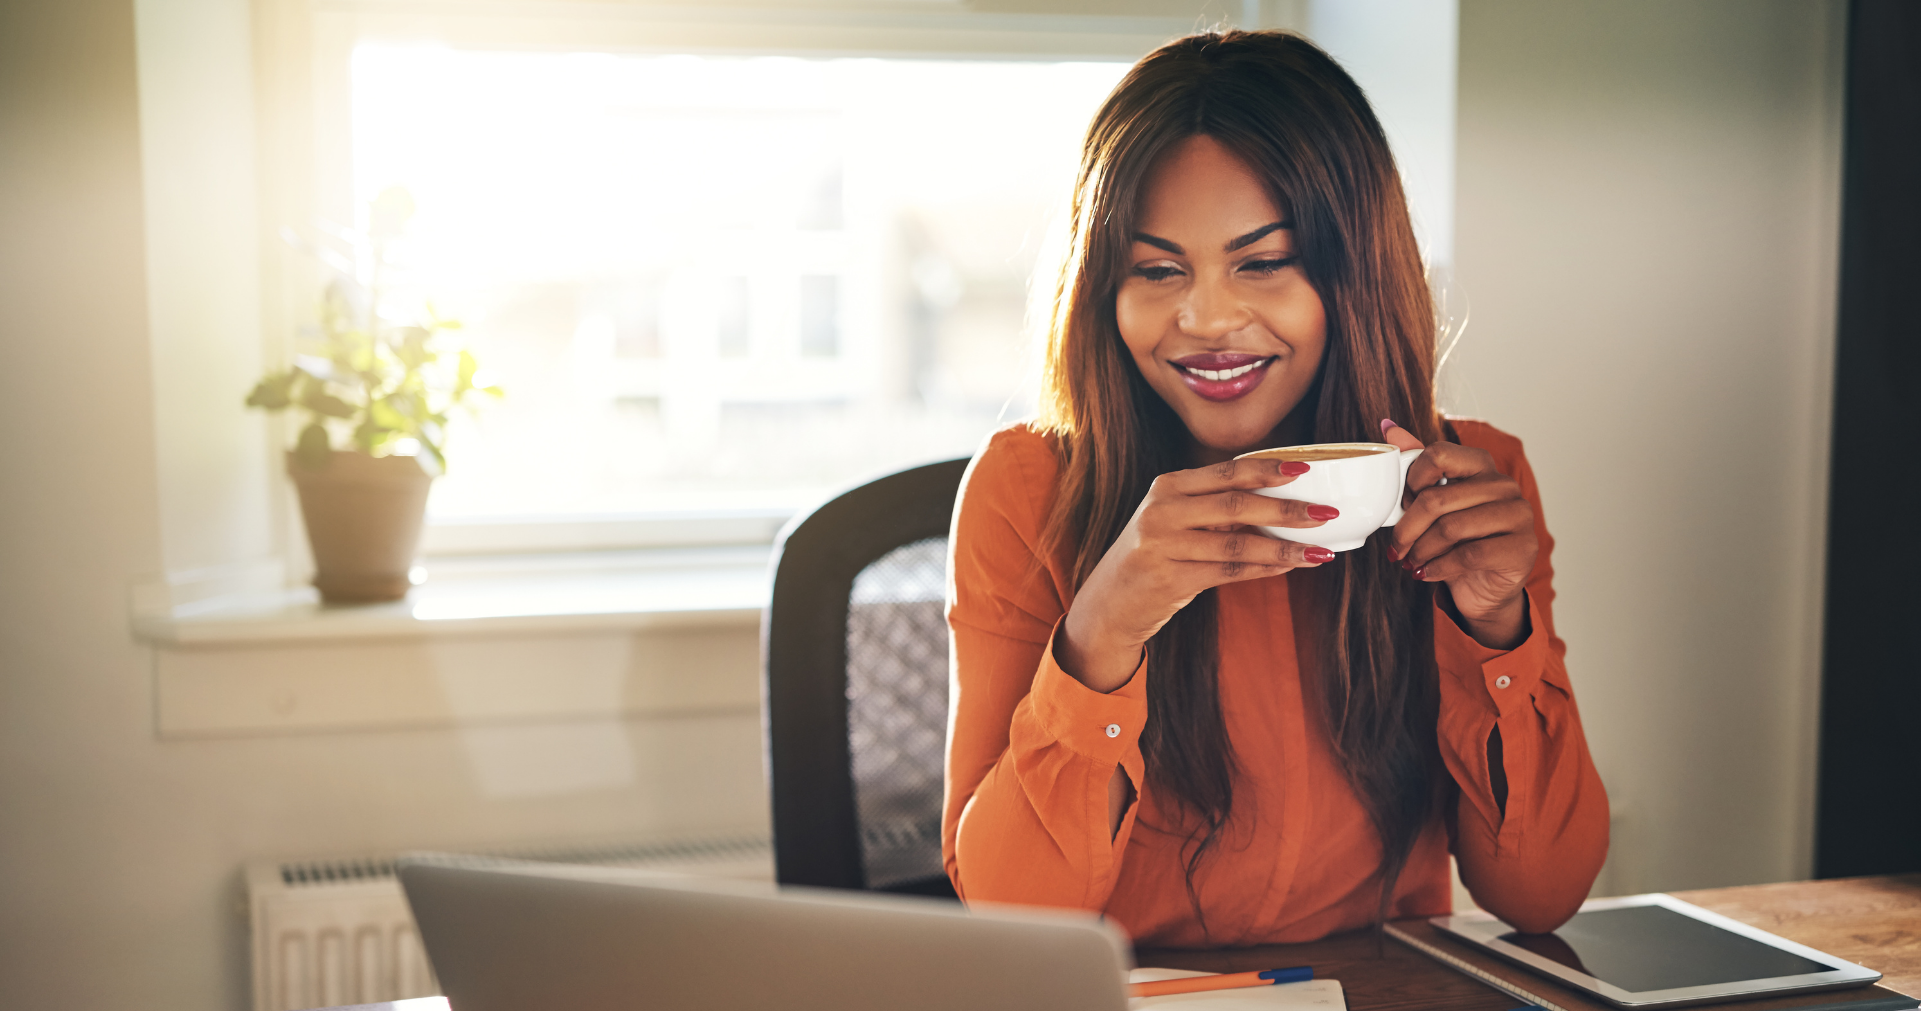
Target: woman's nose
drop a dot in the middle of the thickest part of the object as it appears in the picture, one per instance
(1211, 311)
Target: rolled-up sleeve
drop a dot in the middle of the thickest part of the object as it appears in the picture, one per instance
(1036, 829)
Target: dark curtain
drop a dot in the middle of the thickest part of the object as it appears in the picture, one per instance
(1869, 801)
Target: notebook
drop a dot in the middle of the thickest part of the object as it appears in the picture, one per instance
(1531, 988)
(1314, 994)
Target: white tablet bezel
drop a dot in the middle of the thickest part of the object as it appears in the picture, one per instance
(1483, 930)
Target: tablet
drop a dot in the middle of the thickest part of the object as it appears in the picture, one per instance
(1647, 951)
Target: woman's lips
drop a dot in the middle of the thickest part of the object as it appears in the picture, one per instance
(1222, 376)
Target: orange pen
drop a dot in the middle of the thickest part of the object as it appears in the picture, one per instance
(1224, 981)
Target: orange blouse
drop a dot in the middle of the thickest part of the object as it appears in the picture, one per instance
(1031, 751)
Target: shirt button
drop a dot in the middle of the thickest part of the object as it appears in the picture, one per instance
(1113, 730)
(1503, 681)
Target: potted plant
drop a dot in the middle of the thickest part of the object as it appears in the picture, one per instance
(377, 394)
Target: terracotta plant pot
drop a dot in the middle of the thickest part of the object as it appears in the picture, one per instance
(363, 518)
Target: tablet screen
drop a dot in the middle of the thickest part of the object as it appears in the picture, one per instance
(1641, 948)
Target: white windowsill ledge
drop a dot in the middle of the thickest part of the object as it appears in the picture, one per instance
(658, 588)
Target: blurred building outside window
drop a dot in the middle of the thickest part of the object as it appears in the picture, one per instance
(714, 284)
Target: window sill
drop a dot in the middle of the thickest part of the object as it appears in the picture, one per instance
(661, 588)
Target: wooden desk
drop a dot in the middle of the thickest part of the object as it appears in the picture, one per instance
(1874, 922)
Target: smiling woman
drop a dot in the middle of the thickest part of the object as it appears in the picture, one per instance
(1204, 353)
(1212, 736)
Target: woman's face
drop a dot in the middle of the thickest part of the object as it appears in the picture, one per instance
(1214, 306)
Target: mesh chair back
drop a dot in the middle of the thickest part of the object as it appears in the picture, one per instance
(855, 678)
(897, 710)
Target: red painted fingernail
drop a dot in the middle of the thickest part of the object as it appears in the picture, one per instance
(1321, 512)
(1393, 552)
(1406, 565)
(1293, 468)
(1387, 423)
(1318, 555)
(1421, 573)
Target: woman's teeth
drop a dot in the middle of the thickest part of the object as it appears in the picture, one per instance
(1218, 376)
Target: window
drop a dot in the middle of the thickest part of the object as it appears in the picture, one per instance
(716, 283)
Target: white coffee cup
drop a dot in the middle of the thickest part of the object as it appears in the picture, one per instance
(1364, 480)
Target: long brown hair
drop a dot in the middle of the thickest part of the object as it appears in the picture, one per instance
(1292, 114)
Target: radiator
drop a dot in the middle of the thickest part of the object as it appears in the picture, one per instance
(327, 932)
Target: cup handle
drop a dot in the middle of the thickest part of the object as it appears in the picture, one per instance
(1408, 457)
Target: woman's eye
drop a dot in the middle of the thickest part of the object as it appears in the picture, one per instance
(1156, 273)
(1267, 268)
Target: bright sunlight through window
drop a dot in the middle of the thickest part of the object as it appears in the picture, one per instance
(719, 282)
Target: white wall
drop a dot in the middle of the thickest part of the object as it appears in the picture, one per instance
(79, 485)
(1646, 230)
(203, 270)
(1402, 53)
(120, 851)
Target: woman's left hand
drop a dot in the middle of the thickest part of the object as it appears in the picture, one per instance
(1475, 533)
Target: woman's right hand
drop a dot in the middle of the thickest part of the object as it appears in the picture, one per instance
(1194, 530)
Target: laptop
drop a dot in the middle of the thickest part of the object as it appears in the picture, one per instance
(519, 936)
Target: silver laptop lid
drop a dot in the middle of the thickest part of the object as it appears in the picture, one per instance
(522, 936)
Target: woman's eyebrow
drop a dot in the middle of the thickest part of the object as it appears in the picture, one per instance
(1160, 243)
(1257, 235)
(1241, 243)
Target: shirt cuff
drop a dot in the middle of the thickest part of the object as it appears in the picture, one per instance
(1506, 679)
(1103, 727)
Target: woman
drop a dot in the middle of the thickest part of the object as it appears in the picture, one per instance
(1214, 737)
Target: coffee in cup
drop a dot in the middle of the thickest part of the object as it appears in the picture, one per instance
(1364, 480)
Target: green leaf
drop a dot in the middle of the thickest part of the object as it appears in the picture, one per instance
(412, 349)
(275, 391)
(382, 412)
(465, 380)
(439, 459)
(314, 450)
(369, 436)
(435, 321)
(319, 401)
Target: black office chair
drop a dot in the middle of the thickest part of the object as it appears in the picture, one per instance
(854, 677)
